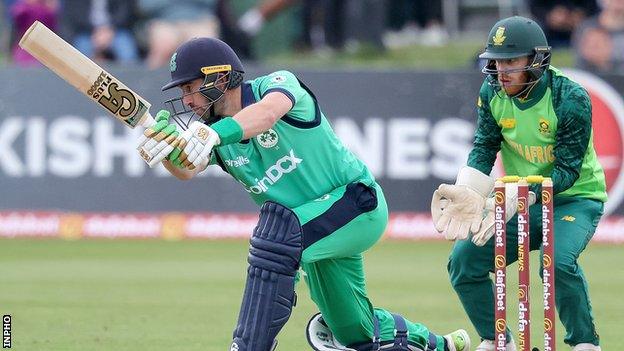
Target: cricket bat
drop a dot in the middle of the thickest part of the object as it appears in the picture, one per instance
(86, 76)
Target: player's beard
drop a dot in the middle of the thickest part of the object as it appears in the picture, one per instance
(184, 114)
(214, 110)
(211, 113)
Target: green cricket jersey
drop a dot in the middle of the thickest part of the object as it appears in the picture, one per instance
(300, 158)
(301, 164)
(548, 134)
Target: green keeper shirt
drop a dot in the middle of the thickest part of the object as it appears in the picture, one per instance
(299, 159)
(549, 133)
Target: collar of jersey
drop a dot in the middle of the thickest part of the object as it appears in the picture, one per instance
(247, 95)
(536, 94)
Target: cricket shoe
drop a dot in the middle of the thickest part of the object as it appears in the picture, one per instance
(488, 345)
(586, 347)
(458, 340)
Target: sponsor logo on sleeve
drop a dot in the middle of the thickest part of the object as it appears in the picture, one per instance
(278, 79)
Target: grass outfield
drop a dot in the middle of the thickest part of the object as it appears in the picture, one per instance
(157, 295)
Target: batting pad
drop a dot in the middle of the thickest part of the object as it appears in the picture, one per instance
(274, 256)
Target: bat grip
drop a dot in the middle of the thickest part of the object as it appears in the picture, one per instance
(147, 120)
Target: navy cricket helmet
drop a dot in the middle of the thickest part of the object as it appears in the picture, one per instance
(207, 58)
(191, 60)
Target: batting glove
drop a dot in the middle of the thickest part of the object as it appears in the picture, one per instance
(195, 146)
(159, 140)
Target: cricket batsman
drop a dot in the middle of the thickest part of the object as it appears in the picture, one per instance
(541, 122)
(320, 206)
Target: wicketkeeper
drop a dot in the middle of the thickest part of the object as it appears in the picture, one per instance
(541, 122)
(320, 206)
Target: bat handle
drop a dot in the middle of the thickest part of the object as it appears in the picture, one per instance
(147, 120)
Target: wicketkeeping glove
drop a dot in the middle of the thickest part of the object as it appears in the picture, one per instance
(159, 140)
(457, 210)
(511, 207)
(460, 214)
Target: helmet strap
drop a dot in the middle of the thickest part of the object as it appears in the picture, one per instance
(524, 93)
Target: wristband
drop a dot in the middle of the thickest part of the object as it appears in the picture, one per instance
(229, 131)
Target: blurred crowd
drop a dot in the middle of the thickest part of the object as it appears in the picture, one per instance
(148, 31)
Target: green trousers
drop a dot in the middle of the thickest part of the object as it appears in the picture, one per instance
(575, 221)
(334, 269)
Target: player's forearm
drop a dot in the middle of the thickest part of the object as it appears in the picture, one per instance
(486, 144)
(563, 178)
(255, 119)
(569, 155)
(572, 140)
(261, 116)
(179, 173)
(481, 159)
